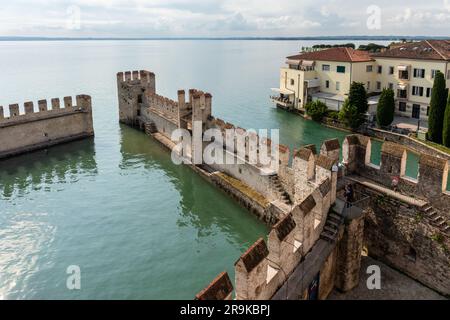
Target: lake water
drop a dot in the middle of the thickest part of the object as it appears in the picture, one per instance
(138, 226)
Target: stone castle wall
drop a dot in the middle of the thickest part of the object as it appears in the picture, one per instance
(400, 235)
(37, 129)
(430, 184)
(298, 227)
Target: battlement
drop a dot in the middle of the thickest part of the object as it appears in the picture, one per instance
(264, 267)
(30, 113)
(431, 182)
(42, 125)
(134, 77)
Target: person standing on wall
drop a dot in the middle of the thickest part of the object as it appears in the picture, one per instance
(348, 195)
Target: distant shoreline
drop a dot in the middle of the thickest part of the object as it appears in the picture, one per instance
(318, 38)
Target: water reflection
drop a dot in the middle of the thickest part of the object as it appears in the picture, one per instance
(45, 169)
(200, 204)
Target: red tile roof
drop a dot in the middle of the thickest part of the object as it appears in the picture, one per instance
(335, 54)
(427, 50)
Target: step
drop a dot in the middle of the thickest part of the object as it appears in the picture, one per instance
(441, 223)
(335, 216)
(328, 238)
(438, 219)
(333, 223)
(434, 214)
(330, 229)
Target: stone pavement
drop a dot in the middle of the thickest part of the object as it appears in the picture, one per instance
(394, 286)
(409, 123)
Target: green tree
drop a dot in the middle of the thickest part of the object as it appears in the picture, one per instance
(316, 110)
(446, 132)
(386, 108)
(350, 115)
(358, 97)
(355, 107)
(437, 109)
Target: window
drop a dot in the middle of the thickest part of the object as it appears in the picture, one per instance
(433, 73)
(378, 85)
(380, 69)
(448, 74)
(429, 92)
(140, 98)
(292, 82)
(368, 85)
(340, 69)
(419, 73)
(391, 70)
(391, 86)
(402, 106)
(417, 91)
(338, 86)
(428, 110)
(325, 67)
(327, 84)
(369, 68)
(403, 74)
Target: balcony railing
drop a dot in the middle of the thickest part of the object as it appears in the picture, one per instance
(282, 101)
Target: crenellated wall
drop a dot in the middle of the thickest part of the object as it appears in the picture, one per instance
(44, 126)
(308, 236)
(430, 184)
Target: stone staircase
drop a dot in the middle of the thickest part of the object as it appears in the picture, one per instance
(282, 193)
(436, 218)
(150, 128)
(335, 219)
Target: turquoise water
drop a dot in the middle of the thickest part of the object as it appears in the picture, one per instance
(138, 226)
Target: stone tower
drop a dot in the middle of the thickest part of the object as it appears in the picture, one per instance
(132, 88)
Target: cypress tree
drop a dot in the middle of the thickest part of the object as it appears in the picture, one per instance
(437, 109)
(446, 132)
(358, 97)
(386, 108)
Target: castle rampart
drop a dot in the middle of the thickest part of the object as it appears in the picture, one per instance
(308, 236)
(44, 127)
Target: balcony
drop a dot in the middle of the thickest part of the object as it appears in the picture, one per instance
(403, 72)
(282, 101)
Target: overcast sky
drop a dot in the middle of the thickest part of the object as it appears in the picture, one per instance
(150, 18)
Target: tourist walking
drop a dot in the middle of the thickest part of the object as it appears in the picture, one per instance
(348, 195)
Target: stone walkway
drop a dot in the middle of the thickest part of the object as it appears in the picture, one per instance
(394, 286)
(409, 123)
(377, 187)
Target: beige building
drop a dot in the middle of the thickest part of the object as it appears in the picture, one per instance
(326, 75)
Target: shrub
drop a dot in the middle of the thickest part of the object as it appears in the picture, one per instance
(316, 110)
(333, 114)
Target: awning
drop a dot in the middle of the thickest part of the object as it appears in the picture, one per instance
(403, 68)
(293, 62)
(282, 91)
(307, 63)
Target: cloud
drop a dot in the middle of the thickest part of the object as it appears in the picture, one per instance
(136, 18)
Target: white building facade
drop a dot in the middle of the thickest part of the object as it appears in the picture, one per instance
(326, 75)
